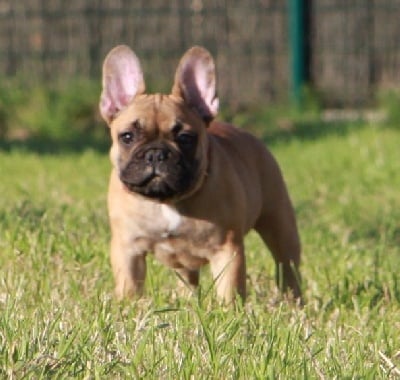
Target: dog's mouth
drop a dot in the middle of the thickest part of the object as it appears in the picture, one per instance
(154, 186)
(159, 172)
(159, 182)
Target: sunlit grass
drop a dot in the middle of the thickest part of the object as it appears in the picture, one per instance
(58, 318)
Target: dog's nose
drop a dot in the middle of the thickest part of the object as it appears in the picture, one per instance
(152, 156)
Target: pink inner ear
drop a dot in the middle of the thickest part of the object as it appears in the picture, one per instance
(122, 81)
(120, 91)
(198, 84)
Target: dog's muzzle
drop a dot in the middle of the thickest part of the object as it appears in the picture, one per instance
(157, 172)
(153, 156)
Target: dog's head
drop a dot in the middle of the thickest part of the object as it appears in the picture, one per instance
(159, 141)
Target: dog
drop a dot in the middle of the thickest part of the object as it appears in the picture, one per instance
(185, 187)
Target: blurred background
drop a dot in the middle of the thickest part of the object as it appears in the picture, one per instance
(330, 53)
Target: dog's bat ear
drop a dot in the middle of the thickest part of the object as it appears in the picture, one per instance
(195, 82)
(122, 81)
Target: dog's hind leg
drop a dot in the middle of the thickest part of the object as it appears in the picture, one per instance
(188, 277)
(278, 230)
(188, 280)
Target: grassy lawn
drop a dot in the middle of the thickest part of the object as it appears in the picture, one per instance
(58, 318)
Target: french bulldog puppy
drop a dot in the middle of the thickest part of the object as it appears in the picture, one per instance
(186, 188)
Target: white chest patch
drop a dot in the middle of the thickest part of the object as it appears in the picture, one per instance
(172, 218)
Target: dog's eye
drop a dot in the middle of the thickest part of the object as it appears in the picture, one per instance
(186, 139)
(177, 128)
(126, 138)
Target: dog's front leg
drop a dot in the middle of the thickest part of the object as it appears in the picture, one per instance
(129, 268)
(228, 268)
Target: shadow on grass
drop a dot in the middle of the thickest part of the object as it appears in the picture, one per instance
(57, 145)
(270, 131)
(313, 130)
(283, 124)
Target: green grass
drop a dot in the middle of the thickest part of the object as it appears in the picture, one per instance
(58, 318)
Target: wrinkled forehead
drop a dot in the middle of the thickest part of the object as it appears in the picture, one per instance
(158, 110)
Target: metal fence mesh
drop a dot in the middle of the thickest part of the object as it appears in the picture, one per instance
(356, 49)
(355, 44)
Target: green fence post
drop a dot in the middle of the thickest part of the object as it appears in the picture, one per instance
(297, 49)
